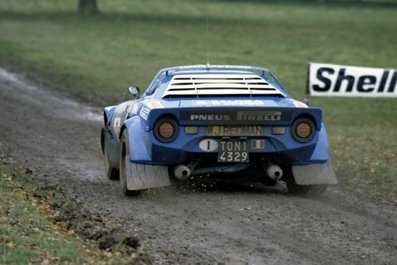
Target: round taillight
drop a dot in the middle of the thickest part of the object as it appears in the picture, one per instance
(303, 130)
(166, 130)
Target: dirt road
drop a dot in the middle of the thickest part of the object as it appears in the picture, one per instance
(59, 140)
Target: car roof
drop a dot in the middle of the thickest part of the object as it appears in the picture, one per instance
(207, 68)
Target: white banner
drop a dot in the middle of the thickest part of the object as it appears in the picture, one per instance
(351, 81)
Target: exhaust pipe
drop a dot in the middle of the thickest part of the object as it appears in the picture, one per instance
(182, 172)
(274, 172)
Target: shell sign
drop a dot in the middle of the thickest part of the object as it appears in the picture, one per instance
(333, 80)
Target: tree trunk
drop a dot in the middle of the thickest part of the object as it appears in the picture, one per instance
(87, 7)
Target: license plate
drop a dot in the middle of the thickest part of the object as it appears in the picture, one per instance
(233, 151)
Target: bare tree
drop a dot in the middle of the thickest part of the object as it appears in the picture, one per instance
(87, 7)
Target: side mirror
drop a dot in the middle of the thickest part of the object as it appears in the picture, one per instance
(133, 91)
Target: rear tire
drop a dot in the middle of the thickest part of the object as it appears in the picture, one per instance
(125, 158)
(113, 173)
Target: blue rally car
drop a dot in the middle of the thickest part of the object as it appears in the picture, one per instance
(216, 121)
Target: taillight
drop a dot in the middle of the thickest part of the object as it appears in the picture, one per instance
(303, 130)
(166, 130)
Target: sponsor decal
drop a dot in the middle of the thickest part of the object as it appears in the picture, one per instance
(259, 115)
(230, 117)
(241, 116)
(210, 117)
(228, 102)
(154, 104)
(144, 113)
(351, 81)
(236, 130)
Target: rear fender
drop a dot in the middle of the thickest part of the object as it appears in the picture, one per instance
(321, 152)
(139, 142)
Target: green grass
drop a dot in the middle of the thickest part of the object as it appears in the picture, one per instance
(362, 135)
(26, 234)
(97, 58)
(29, 236)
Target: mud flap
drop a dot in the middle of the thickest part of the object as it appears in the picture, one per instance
(140, 176)
(315, 174)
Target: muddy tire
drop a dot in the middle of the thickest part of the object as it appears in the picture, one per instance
(111, 172)
(303, 190)
(124, 159)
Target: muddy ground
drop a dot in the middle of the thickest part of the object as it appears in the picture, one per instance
(59, 140)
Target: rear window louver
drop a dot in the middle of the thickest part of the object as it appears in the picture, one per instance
(219, 85)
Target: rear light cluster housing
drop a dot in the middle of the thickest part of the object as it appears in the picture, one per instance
(166, 130)
(303, 130)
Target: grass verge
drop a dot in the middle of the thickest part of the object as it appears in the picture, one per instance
(97, 58)
(40, 225)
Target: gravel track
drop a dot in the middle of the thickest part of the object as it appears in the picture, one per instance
(59, 139)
